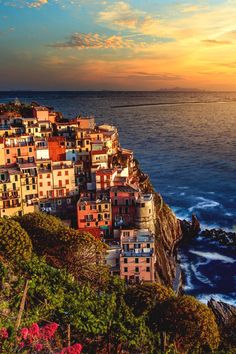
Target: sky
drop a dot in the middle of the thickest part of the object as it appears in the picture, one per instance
(117, 45)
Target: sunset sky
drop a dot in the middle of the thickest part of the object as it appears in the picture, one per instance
(117, 45)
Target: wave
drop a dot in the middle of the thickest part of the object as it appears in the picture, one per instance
(199, 276)
(204, 204)
(213, 256)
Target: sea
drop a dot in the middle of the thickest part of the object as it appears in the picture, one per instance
(186, 142)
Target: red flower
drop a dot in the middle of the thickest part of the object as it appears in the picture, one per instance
(48, 331)
(34, 330)
(3, 333)
(74, 349)
(38, 347)
(21, 345)
(24, 333)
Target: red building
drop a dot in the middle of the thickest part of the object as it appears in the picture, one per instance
(123, 200)
(57, 148)
(105, 178)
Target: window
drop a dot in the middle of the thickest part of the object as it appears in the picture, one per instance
(40, 176)
(126, 210)
(8, 151)
(136, 260)
(147, 260)
(27, 188)
(48, 175)
(82, 207)
(148, 269)
(136, 269)
(67, 181)
(49, 183)
(125, 270)
(30, 149)
(59, 202)
(34, 187)
(8, 161)
(59, 173)
(40, 184)
(18, 152)
(125, 260)
(143, 205)
(41, 194)
(66, 173)
(148, 245)
(16, 178)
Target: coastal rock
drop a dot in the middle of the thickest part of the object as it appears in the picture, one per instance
(168, 234)
(223, 237)
(222, 311)
(190, 229)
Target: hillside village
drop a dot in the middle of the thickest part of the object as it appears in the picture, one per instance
(77, 170)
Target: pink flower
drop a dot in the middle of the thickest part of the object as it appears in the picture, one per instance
(3, 333)
(34, 330)
(48, 331)
(24, 332)
(21, 345)
(74, 349)
(38, 347)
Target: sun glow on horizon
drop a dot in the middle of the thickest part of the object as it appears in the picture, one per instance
(58, 44)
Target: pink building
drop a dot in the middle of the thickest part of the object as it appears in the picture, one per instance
(123, 200)
(137, 257)
(41, 113)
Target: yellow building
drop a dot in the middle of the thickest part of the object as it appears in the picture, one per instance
(10, 192)
(29, 187)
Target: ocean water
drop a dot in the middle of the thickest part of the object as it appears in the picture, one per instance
(186, 142)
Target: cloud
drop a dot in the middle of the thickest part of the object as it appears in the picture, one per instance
(120, 15)
(215, 42)
(38, 3)
(151, 76)
(96, 41)
(189, 8)
(25, 3)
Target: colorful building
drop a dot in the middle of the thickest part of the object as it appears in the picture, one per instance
(137, 257)
(123, 199)
(95, 212)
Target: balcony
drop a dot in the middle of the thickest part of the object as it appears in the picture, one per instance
(140, 253)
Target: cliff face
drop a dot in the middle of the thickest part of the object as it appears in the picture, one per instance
(168, 234)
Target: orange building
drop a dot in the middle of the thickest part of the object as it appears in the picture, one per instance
(19, 150)
(57, 148)
(137, 258)
(41, 113)
(95, 213)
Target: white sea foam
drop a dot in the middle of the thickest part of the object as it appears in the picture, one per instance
(188, 276)
(231, 300)
(204, 204)
(213, 256)
(202, 278)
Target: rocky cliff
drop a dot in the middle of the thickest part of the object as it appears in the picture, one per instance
(168, 234)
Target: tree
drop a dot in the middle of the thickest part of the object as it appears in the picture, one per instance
(189, 323)
(79, 252)
(143, 297)
(15, 244)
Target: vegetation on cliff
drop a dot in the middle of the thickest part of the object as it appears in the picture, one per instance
(105, 315)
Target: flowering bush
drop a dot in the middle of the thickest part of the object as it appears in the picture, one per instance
(3, 333)
(74, 349)
(35, 339)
